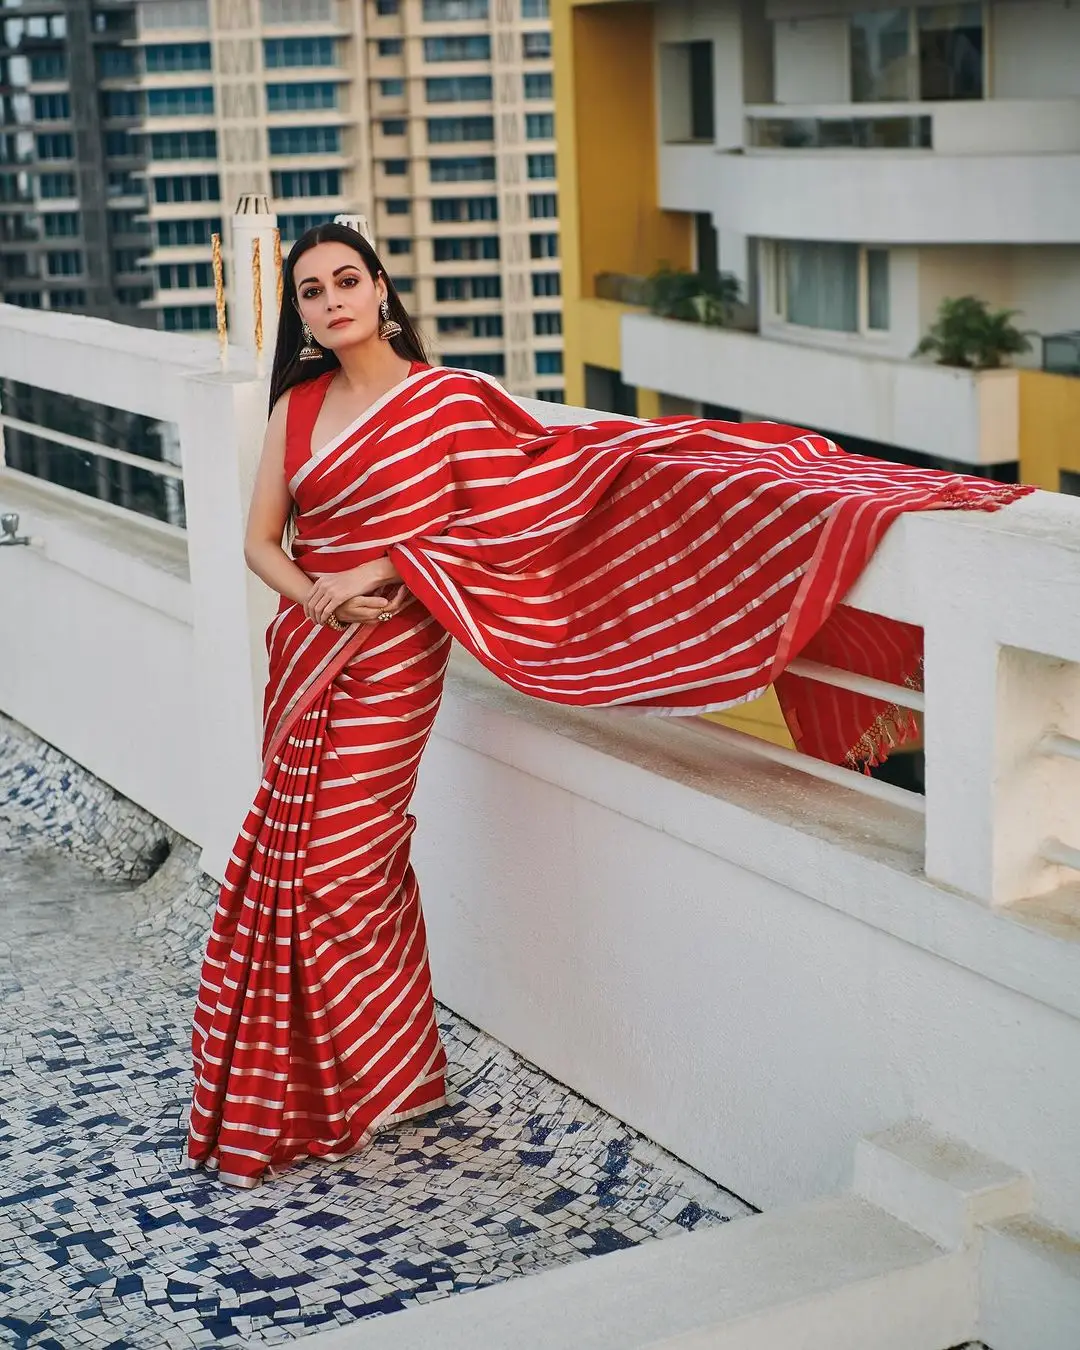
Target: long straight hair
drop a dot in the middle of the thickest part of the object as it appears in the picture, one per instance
(288, 368)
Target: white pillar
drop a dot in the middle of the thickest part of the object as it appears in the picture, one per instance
(253, 220)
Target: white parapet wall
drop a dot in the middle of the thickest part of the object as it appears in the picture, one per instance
(752, 966)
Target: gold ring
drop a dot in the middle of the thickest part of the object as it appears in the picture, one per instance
(385, 615)
(335, 623)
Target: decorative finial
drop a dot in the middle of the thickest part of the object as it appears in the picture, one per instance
(358, 223)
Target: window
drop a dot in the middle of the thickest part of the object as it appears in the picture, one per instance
(390, 46)
(121, 183)
(185, 276)
(119, 103)
(306, 183)
(131, 295)
(120, 144)
(385, 8)
(51, 185)
(463, 169)
(470, 325)
(394, 126)
(436, 11)
(540, 126)
(543, 245)
(475, 47)
(547, 324)
(926, 52)
(128, 222)
(305, 140)
(467, 249)
(395, 168)
(301, 97)
(459, 89)
(490, 363)
(127, 259)
(52, 107)
(548, 363)
(838, 288)
(403, 285)
(398, 246)
(58, 224)
(468, 288)
(536, 9)
(398, 206)
(24, 299)
(391, 88)
(443, 129)
(281, 53)
(65, 263)
(540, 166)
(183, 145)
(187, 233)
(48, 66)
(163, 57)
(539, 85)
(115, 62)
(197, 102)
(56, 145)
(546, 283)
(200, 187)
(66, 299)
(543, 205)
(189, 318)
(536, 46)
(293, 226)
(551, 395)
(461, 209)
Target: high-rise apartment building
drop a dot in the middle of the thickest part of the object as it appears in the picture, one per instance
(853, 164)
(72, 232)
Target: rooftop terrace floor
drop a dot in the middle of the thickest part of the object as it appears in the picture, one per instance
(106, 1240)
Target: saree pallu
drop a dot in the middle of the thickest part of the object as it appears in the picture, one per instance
(677, 566)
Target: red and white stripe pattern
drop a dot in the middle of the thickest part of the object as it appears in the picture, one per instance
(677, 566)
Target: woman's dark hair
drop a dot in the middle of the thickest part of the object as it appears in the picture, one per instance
(288, 368)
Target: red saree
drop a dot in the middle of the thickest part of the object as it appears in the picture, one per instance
(678, 566)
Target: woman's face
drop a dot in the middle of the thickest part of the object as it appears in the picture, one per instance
(336, 296)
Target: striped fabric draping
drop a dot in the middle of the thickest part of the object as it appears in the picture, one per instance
(676, 565)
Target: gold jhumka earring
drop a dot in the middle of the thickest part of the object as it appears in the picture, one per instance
(310, 351)
(389, 328)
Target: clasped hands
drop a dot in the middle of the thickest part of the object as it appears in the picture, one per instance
(353, 596)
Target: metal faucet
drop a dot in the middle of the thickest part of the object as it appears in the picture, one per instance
(9, 530)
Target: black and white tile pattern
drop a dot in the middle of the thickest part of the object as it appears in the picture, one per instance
(106, 1240)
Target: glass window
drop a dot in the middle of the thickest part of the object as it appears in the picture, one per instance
(403, 285)
(436, 11)
(185, 276)
(399, 246)
(114, 62)
(306, 183)
(444, 129)
(58, 224)
(183, 145)
(546, 283)
(540, 126)
(467, 249)
(305, 140)
(390, 46)
(395, 168)
(48, 66)
(547, 324)
(280, 53)
(951, 46)
(490, 363)
(551, 395)
(119, 144)
(539, 85)
(394, 126)
(463, 169)
(543, 205)
(197, 102)
(52, 107)
(877, 289)
(65, 299)
(536, 46)
(398, 206)
(540, 166)
(548, 363)
(119, 103)
(536, 9)
(128, 222)
(65, 263)
(475, 47)
(189, 318)
(460, 209)
(821, 286)
(300, 97)
(391, 88)
(199, 187)
(543, 245)
(127, 259)
(56, 185)
(882, 70)
(56, 145)
(468, 288)
(470, 325)
(186, 233)
(459, 89)
(293, 226)
(385, 8)
(162, 57)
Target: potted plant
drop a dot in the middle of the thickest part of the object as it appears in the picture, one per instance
(693, 297)
(969, 334)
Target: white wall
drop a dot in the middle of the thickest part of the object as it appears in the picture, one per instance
(812, 61)
(718, 23)
(1035, 49)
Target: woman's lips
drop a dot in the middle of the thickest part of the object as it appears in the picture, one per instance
(338, 323)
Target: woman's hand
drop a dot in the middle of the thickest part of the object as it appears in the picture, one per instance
(330, 592)
(360, 609)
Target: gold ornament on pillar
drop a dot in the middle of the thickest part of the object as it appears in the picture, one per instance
(219, 297)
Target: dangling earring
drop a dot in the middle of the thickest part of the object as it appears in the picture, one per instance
(310, 351)
(389, 328)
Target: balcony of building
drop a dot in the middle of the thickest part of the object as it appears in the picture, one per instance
(756, 959)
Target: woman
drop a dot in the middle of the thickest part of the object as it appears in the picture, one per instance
(677, 566)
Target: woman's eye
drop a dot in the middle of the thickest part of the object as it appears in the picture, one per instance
(310, 293)
(349, 281)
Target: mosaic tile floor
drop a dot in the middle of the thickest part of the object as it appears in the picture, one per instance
(106, 1240)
